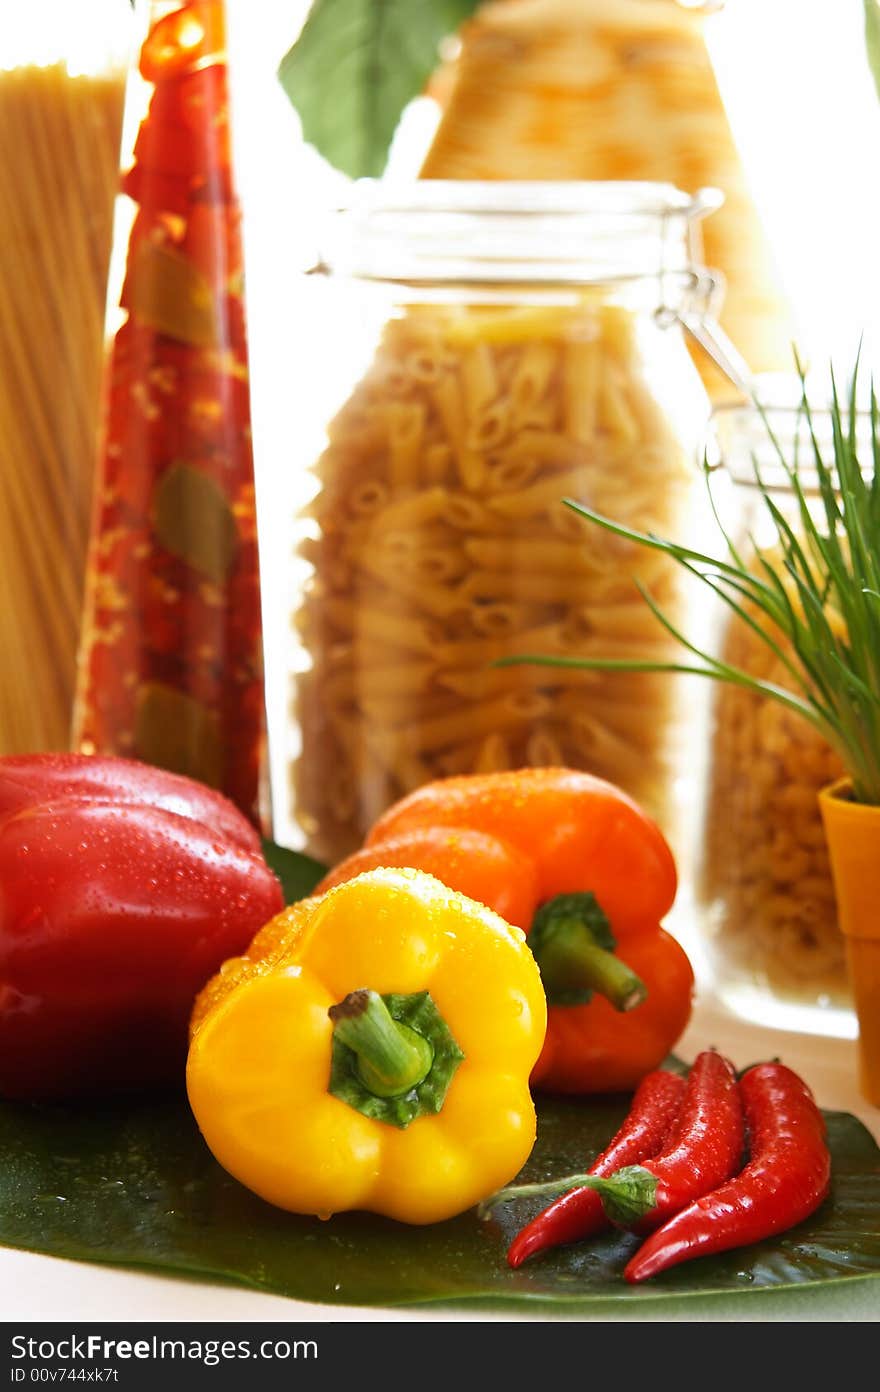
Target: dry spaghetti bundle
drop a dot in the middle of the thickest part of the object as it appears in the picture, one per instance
(441, 542)
(59, 155)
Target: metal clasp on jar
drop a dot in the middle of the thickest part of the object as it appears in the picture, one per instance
(696, 313)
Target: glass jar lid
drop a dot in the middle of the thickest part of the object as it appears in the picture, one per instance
(772, 433)
(434, 231)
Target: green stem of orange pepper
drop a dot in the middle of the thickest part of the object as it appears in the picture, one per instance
(573, 945)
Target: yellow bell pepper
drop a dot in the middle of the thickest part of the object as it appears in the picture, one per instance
(372, 1051)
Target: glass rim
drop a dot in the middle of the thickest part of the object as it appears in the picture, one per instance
(528, 198)
(781, 395)
(472, 232)
(775, 420)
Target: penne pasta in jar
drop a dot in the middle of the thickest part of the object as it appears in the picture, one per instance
(493, 392)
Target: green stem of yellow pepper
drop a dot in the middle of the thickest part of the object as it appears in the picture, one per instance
(392, 1058)
(572, 942)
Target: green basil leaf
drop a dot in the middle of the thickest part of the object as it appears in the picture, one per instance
(166, 292)
(298, 873)
(177, 732)
(872, 39)
(195, 522)
(356, 65)
(135, 1185)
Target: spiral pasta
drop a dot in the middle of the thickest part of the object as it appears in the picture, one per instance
(766, 876)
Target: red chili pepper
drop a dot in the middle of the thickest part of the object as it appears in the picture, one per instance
(579, 1213)
(193, 35)
(187, 131)
(704, 1149)
(124, 888)
(786, 1179)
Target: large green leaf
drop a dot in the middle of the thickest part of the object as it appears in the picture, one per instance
(356, 65)
(136, 1186)
(298, 873)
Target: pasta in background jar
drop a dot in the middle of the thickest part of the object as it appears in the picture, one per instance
(517, 358)
(613, 89)
(765, 886)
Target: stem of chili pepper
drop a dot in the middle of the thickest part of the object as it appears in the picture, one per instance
(704, 1150)
(392, 1058)
(786, 1179)
(636, 1194)
(572, 942)
(579, 1213)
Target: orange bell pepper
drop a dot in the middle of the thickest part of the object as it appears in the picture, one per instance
(579, 866)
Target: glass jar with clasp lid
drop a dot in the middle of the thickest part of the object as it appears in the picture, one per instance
(477, 354)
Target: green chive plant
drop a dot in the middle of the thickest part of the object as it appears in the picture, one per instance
(812, 596)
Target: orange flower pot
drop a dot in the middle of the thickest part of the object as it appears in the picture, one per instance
(853, 833)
